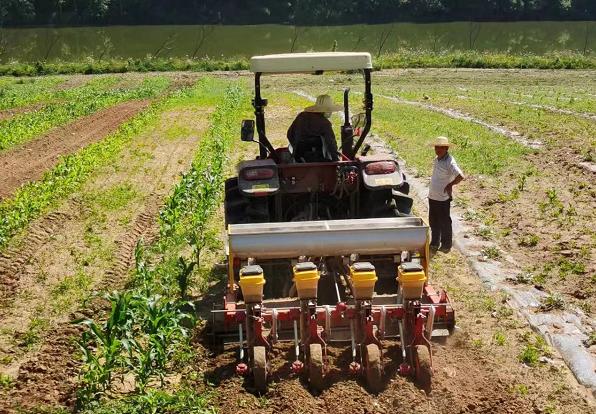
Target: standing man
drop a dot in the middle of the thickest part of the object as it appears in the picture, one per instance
(446, 174)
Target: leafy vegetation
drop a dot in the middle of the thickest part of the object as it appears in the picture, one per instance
(148, 328)
(180, 401)
(535, 348)
(22, 92)
(475, 59)
(552, 302)
(76, 103)
(402, 59)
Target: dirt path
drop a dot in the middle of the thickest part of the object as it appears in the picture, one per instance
(29, 161)
(88, 241)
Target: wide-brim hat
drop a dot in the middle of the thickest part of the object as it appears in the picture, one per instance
(324, 103)
(441, 142)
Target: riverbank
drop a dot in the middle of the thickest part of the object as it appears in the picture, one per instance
(402, 59)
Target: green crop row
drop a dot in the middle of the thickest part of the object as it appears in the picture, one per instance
(36, 197)
(147, 330)
(27, 91)
(76, 103)
(405, 58)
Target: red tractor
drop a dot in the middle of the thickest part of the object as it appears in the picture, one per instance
(326, 253)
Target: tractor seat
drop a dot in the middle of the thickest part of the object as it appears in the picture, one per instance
(311, 149)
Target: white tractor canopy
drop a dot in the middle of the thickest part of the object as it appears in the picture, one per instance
(310, 62)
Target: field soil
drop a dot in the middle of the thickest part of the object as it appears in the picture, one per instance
(56, 270)
(80, 250)
(29, 161)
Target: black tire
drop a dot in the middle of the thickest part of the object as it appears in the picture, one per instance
(235, 203)
(315, 367)
(423, 368)
(373, 368)
(259, 368)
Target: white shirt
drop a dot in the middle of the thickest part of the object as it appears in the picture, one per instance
(445, 170)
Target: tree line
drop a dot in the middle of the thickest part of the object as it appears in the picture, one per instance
(295, 12)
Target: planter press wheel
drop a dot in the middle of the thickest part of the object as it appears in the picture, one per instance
(373, 369)
(422, 367)
(259, 368)
(315, 367)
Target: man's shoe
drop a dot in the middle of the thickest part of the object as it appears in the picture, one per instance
(445, 249)
(434, 247)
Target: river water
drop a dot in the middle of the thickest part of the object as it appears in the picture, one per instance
(32, 44)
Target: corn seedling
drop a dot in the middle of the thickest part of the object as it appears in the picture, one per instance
(183, 277)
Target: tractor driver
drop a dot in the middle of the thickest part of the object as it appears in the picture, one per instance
(311, 134)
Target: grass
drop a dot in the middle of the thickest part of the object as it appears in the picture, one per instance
(500, 338)
(529, 240)
(552, 302)
(473, 59)
(6, 382)
(540, 124)
(410, 130)
(113, 198)
(77, 102)
(534, 348)
(405, 58)
(33, 333)
(491, 252)
(70, 290)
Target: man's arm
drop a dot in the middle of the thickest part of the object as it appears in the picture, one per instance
(457, 180)
(330, 142)
(290, 134)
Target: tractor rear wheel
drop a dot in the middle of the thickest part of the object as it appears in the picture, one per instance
(423, 367)
(373, 368)
(315, 367)
(234, 204)
(259, 368)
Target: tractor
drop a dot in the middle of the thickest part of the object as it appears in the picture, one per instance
(326, 253)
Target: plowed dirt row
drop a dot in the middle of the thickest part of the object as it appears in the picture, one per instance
(88, 236)
(49, 376)
(29, 161)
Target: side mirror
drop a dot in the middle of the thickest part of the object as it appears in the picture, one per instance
(247, 131)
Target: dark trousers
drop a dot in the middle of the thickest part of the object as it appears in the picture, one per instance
(439, 219)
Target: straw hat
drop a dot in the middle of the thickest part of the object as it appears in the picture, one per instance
(324, 104)
(441, 142)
